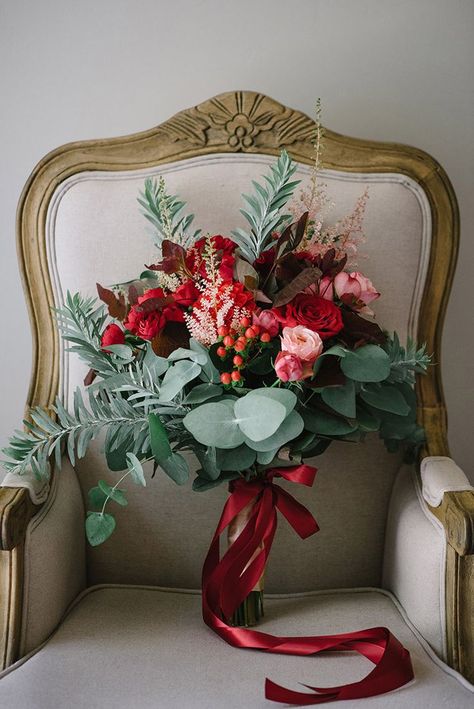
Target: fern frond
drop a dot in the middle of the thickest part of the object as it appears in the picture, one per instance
(263, 208)
(165, 212)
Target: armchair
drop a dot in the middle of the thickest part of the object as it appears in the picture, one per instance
(396, 545)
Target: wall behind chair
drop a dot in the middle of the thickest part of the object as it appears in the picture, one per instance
(396, 70)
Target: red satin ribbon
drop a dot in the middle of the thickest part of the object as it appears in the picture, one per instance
(227, 582)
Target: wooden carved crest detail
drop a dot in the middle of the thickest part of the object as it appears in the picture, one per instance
(239, 121)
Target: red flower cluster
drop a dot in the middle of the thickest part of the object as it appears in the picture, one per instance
(152, 311)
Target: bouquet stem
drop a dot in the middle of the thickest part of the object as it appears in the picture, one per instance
(251, 609)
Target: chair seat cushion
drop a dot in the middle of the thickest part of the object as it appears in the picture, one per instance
(123, 647)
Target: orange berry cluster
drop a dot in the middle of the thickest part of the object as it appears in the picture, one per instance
(239, 344)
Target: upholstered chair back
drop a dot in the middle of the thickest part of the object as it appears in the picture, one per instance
(94, 231)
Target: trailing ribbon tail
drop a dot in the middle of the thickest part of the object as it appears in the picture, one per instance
(227, 581)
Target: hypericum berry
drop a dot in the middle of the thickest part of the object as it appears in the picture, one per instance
(221, 351)
(226, 378)
(256, 329)
(265, 337)
(228, 341)
(245, 322)
(236, 376)
(240, 345)
(222, 331)
(238, 360)
(250, 333)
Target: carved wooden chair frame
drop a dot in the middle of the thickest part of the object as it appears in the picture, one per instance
(248, 122)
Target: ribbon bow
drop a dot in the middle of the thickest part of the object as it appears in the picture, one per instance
(227, 582)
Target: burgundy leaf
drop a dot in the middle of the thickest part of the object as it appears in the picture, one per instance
(358, 331)
(174, 258)
(147, 306)
(297, 285)
(132, 295)
(116, 305)
(89, 378)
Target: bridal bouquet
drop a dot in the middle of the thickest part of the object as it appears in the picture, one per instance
(254, 351)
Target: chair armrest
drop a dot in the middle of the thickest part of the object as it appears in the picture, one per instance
(450, 498)
(42, 559)
(16, 511)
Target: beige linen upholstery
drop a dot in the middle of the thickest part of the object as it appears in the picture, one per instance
(55, 570)
(135, 647)
(414, 559)
(440, 474)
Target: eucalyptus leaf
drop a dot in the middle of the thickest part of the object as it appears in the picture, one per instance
(259, 417)
(96, 498)
(209, 372)
(99, 527)
(160, 445)
(323, 423)
(386, 397)
(114, 493)
(202, 484)
(369, 363)
(176, 378)
(136, 469)
(266, 457)
(176, 468)
(289, 429)
(193, 355)
(203, 392)
(284, 396)
(239, 458)
(341, 398)
(214, 424)
(208, 460)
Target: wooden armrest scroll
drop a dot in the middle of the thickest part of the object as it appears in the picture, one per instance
(456, 513)
(16, 510)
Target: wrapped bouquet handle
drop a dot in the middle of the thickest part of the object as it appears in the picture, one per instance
(227, 581)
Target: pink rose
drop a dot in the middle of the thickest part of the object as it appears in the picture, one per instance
(267, 321)
(290, 368)
(355, 290)
(302, 342)
(326, 288)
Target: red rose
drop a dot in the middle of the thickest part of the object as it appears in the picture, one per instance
(112, 335)
(225, 251)
(148, 319)
(186, 294)
(312, 311)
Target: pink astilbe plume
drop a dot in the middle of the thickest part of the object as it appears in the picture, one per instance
(221, 303)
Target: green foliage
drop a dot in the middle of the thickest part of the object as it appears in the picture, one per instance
(81, 322)
(99, 527)
(263, 208)
(324, 424)
(160, 445)
(368, 363)
(407, 361)
(76, 430)
(255, 418)
(136, 470)
(341, 398)
(176, 468)
(165, 212)
(386, 397)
